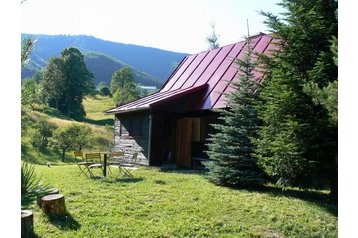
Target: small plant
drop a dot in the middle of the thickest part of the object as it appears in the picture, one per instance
(31, 185)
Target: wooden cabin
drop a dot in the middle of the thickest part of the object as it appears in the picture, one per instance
(172, 125)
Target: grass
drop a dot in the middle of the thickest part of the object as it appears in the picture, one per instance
(101, 124)
(179, 203)
(95, 107)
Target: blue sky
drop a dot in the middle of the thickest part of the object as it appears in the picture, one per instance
(180, 26)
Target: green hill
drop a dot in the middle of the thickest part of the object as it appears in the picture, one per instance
(100, 123)
(103, 66)
(156, 62)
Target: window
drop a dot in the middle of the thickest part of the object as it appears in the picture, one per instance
(132, 126)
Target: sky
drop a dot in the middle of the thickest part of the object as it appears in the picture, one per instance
(180, 26)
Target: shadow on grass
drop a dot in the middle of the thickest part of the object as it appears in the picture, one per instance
(124, 180)
(53, 113)
(160, 182)
(66, 222)
(315, 197)
(180, 170)
(103, 122)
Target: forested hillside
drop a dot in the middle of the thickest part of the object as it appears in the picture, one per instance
(103, 66)
(156, 62)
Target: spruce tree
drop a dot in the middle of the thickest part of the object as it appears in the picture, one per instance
(213, 38)
(297, 142)
(231, 146)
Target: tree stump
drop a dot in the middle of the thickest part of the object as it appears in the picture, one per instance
(53, 191)
(27, 224)
(54, 205)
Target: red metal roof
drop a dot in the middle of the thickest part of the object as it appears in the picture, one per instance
(156, 99)
(213, 69)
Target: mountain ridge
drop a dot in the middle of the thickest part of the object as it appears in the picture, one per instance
(153, 61)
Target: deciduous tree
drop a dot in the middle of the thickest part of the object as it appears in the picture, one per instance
(123, 88)
(66, 81)
(120, 78)
(30, 93)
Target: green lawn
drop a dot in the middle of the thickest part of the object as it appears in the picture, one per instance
(179, 204)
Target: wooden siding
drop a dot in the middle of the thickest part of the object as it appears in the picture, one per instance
(132, 134)
(176, 138)
(183, 142)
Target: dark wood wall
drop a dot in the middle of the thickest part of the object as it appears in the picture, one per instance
(171, 142)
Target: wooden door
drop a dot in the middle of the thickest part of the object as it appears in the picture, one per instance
(183, 142)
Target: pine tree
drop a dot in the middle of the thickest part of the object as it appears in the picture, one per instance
(297, 142)
(231, 146)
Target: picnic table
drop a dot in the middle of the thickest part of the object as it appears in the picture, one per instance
(105, 154)
(94, 160)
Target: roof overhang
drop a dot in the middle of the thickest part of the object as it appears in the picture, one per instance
(155, 100)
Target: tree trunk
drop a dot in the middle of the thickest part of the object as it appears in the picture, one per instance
(54, 205)
(27, 224)
(32, 106)
(63, 155)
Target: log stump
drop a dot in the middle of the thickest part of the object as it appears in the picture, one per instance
(54, 205)
(27, 224)
(52, 191)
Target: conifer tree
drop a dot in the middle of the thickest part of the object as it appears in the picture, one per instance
(297, 142)
(231, 146)
(213, 38)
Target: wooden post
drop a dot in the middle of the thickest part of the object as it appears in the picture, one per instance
(54, 205)
(105, 164)
(150, 138)
(27, 224)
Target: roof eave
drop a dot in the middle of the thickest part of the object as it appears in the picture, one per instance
(129, 110)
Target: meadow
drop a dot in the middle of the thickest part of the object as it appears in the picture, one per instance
(179, 203)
